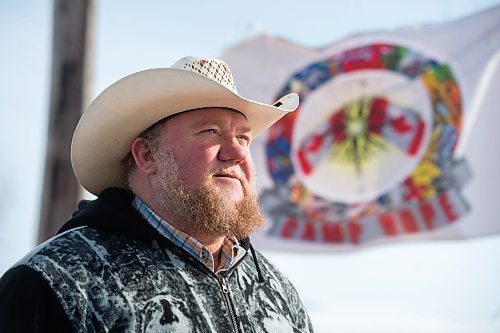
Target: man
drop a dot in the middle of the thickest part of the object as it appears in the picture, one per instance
(164, 247)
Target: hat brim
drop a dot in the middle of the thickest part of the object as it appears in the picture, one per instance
(111, 123)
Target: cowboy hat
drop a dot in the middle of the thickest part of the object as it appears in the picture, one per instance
(106, 130)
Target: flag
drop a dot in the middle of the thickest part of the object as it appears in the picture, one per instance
(396, 137)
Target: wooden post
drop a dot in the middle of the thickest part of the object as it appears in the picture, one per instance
(72, 35)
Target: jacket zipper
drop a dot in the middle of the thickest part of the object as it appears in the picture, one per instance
(229, 303)
(225, 289)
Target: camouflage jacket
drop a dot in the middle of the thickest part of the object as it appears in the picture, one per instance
(112, 272)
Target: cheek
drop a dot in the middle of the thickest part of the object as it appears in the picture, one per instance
(248, 169)
(194, 163)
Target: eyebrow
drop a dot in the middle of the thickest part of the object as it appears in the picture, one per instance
(220, 123)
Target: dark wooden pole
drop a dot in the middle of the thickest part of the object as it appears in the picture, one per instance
(72, 37)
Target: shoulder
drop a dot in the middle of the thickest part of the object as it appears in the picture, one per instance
(28, 304)
(21, 277)
(73, 247)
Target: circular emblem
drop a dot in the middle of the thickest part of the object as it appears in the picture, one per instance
(376, 128)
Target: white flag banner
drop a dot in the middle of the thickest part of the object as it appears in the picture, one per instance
(396, 139)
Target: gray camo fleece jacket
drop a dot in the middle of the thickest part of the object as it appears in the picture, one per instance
(111, 272)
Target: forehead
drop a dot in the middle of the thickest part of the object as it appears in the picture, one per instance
(216, 116)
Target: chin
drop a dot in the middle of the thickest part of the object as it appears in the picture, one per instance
(233, 197)
(232, 191)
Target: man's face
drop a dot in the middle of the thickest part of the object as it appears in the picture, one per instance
(203, 179)
(211, 148)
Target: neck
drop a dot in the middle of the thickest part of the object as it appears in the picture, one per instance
(212, 243)
(215, 247)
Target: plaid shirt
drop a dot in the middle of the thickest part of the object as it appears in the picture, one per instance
(229, 254)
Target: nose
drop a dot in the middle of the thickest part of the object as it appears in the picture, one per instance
(231, 149)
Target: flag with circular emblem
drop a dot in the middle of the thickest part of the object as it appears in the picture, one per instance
(394, 139)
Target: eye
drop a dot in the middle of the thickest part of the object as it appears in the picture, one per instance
(244, 139)
(210, 131)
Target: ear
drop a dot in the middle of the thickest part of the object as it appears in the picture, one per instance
(143, 156)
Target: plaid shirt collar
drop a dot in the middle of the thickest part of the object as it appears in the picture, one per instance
(231, 251)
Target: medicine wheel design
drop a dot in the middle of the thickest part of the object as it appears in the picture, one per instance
(376, 127)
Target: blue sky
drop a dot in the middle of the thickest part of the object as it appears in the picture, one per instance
(415, 287)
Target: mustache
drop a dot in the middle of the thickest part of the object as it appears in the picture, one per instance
(249, 187)
(236, 174)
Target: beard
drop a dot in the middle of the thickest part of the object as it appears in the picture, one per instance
(207, 209)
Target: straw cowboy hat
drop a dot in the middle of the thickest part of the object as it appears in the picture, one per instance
(105, 132)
